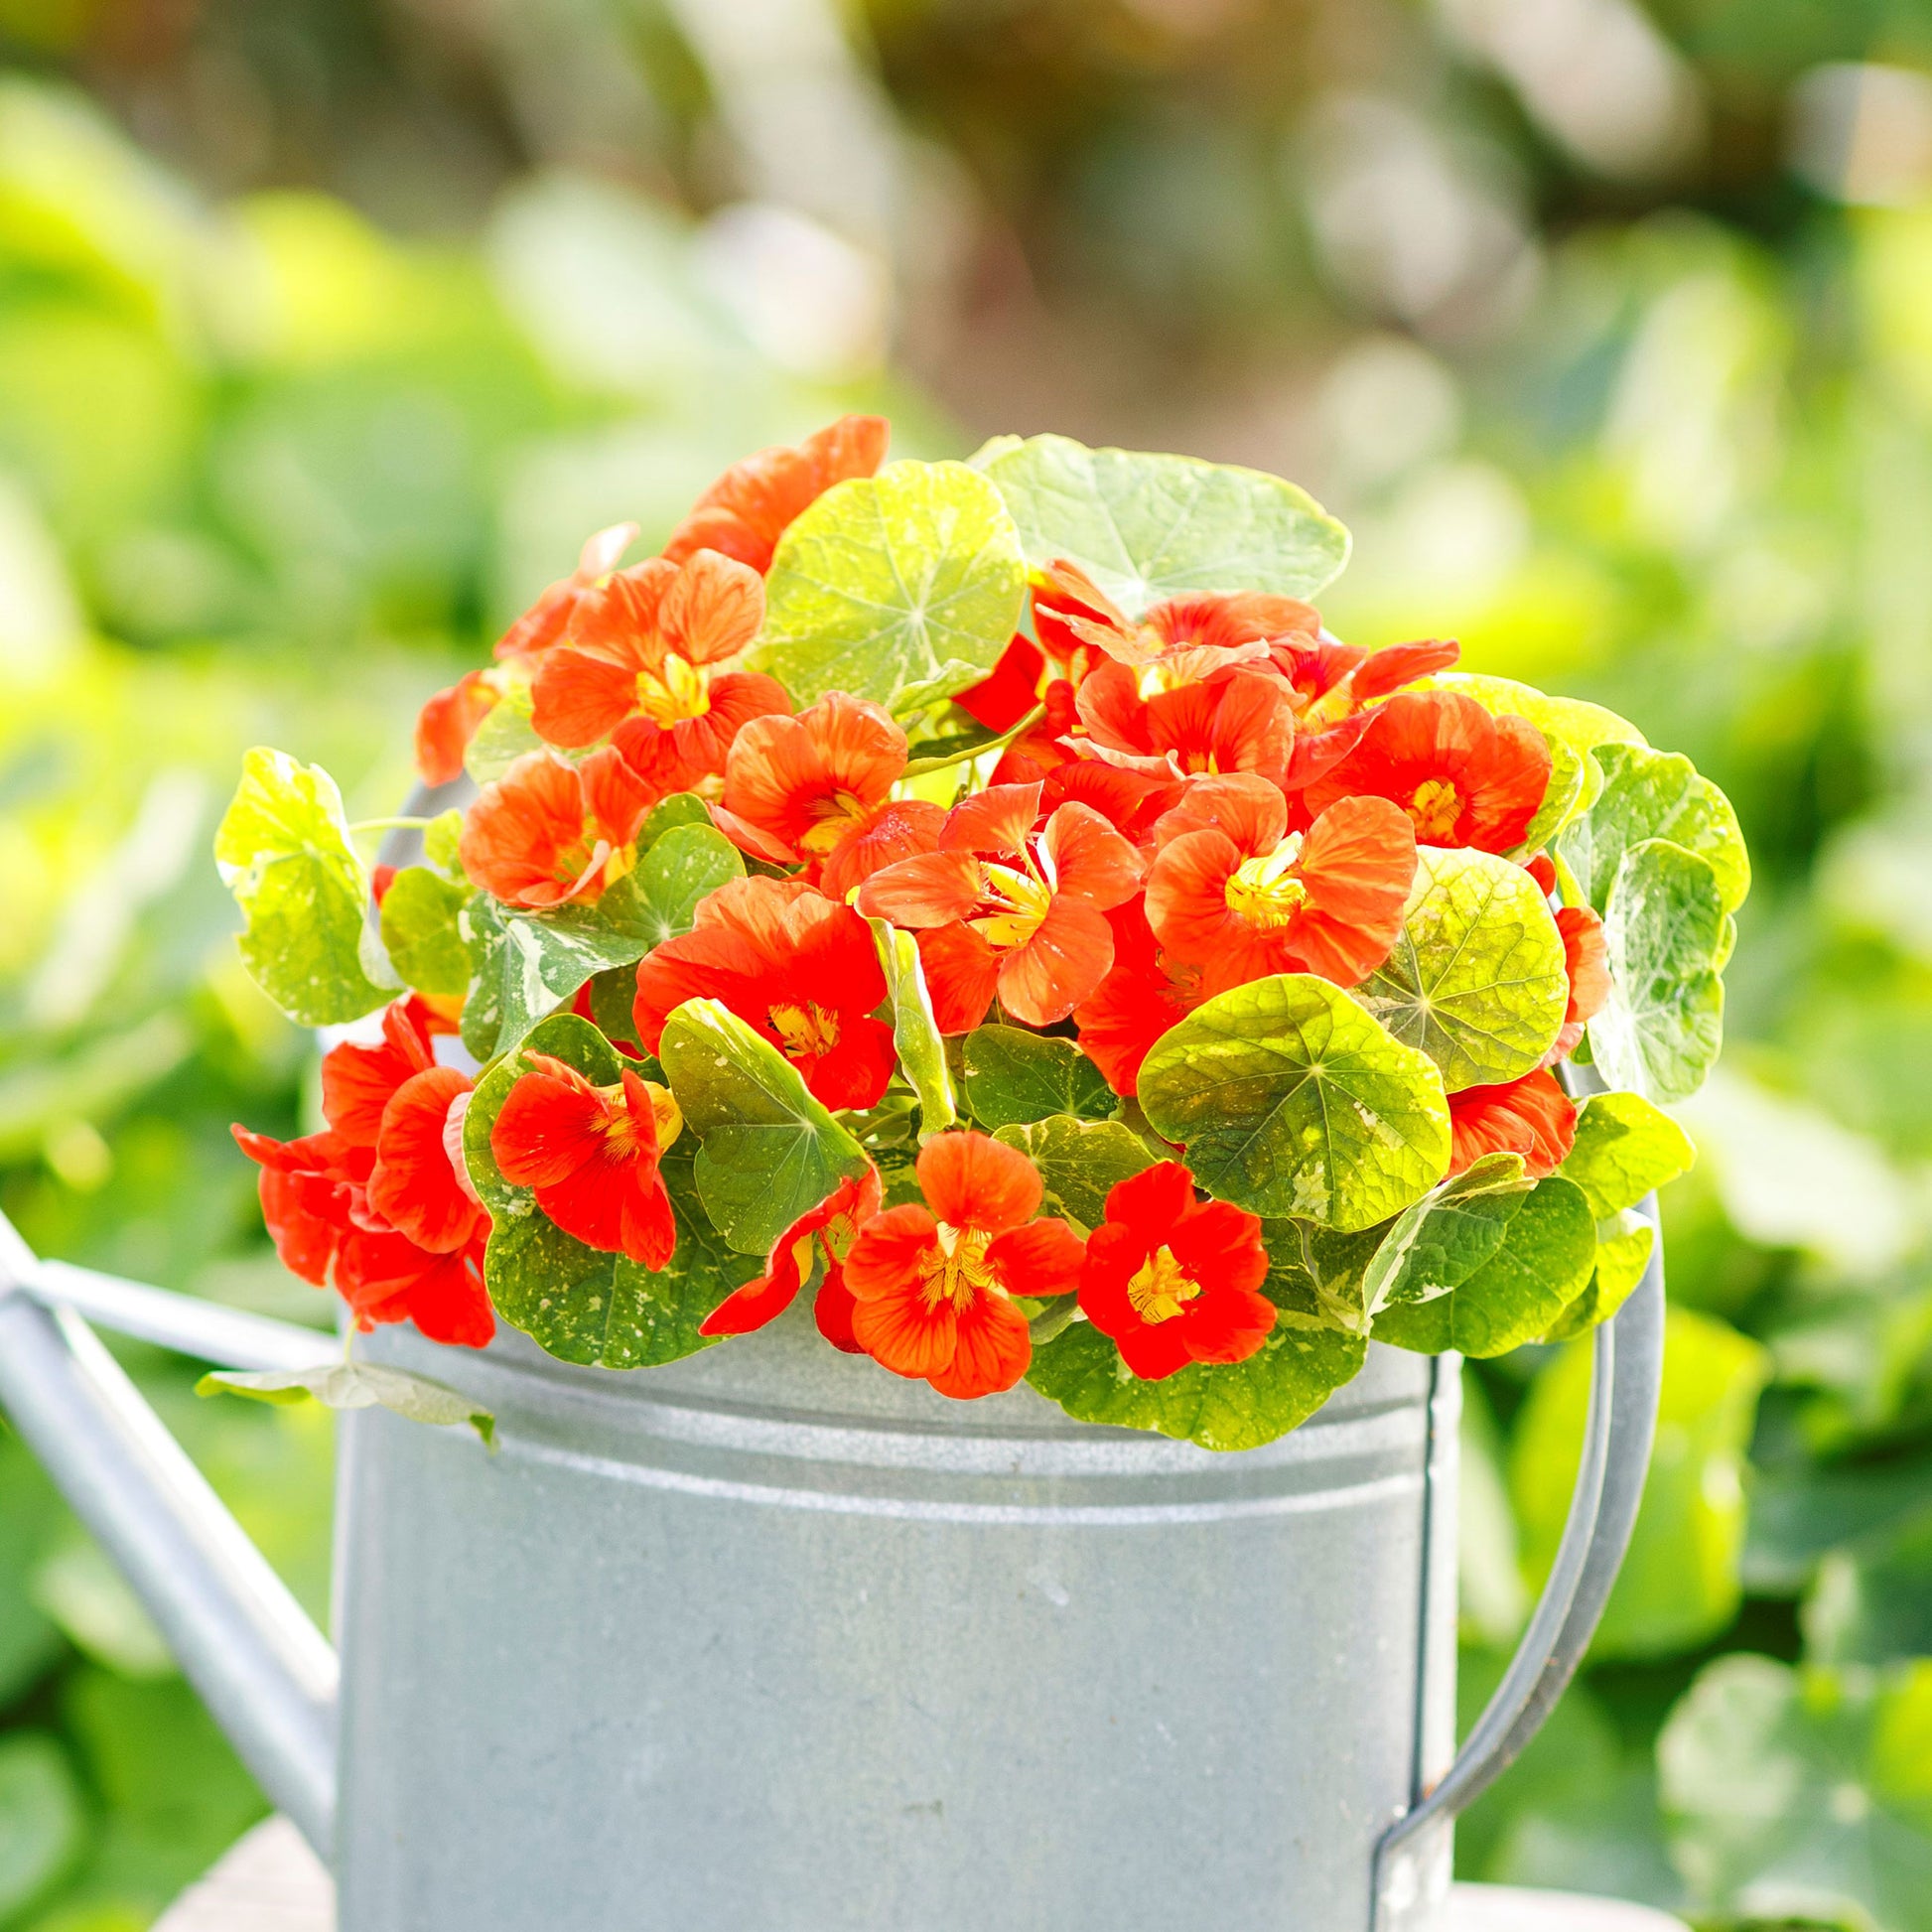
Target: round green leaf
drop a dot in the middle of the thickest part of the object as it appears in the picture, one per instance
(1292, 1100)
(1656, 795)
(1146, 528)
(421, 930)
(1624, 1150)
(1476, 978)
(1624, 1241)
(902, 588)
(1574, 720)
(283, 848)
(1012, 1075)
(1080, 1161)
(1220, 1406)
(771, 1152)
(1662, 1028)
(1543, 1260)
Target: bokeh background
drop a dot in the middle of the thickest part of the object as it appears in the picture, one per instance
(328, 328)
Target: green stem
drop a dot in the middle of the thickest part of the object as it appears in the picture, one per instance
(945, 761)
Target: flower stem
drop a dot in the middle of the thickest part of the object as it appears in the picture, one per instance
(943, 761)
(390, 824)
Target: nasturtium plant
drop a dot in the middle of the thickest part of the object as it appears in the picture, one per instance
(983, 901)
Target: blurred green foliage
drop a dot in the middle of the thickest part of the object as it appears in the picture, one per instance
(1627, 385)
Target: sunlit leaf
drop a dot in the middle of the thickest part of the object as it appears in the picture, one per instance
(1625, 1242)
(1624, 1150)
(1656, 795)
(1543, 1261)
(1012, 1075)
(1292, 1100)
(916, 1039)
(1080, 1161)
(420, 923)
(1477, 978)
(284, 850)
(1662, 1028)
(902, 588)
(771, 1152)
(1220, 1406)
(356, 1385)
(1145, 527)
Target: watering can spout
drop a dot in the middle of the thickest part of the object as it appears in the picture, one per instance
(259, 1663)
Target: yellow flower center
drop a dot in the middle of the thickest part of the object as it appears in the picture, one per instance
(806, 1029)
(1158, 1290)
(1434, 809)
(954, 1269)
(1266, 893)
(622, 1131)
(1022, 901)
(833, 816)
(675, 690)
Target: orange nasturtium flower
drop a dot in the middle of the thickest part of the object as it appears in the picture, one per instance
(798, 967)
(747, 511)
(1147, 993)
(808, 790)
(592, 1154)
(637, 662)
(379, 1206)
(1173, 1280)
(1462, 776)
(833, 1224)
(449, 720)
(933, 1287)
(1000, 909)
(547, 832)
(1587, 962)
(1233, 890)
(1531, 1117)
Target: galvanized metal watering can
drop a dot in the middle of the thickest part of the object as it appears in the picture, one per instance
(769, 1641)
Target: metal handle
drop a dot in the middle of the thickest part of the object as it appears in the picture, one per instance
(1626, 1375)
(247, 1646)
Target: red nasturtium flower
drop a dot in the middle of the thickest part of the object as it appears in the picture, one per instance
(1237, 720)
(748, 509)
(591, 1154)
(933, 1287)
(1531, 1117)
(1173, 1281)
(1462, 776)
(1000, 909)
(1234, 891)
(637, 662)
(547, 832)
(379, 1206)
(798, 789)
(449, 720)
(834, 1224)
(795, 965)
(1146, 994)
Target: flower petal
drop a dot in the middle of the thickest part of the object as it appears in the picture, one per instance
(970, 1179)
(713, 608)
(413, 1181)
(1061, 964)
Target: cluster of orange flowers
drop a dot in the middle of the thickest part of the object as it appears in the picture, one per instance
(1189, 799)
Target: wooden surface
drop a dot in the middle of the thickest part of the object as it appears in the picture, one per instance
(271, 1882)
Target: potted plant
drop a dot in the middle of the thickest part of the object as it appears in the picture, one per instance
(1099, 1049)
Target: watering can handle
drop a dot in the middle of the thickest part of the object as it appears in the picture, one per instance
(1626, 1375)
(261, 1666)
